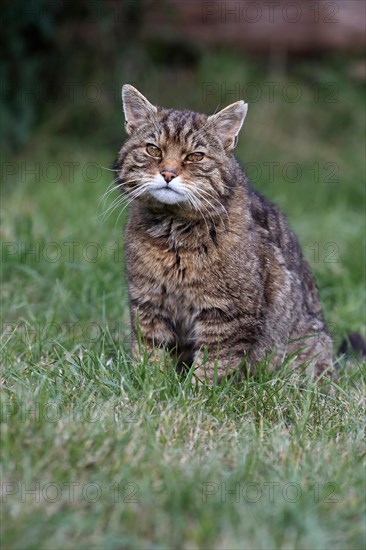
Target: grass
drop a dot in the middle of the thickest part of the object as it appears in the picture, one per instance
(121, 455)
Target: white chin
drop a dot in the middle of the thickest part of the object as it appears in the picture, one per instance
(167, 196)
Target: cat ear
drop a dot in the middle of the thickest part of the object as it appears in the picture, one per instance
(227, 123)
(136, 108)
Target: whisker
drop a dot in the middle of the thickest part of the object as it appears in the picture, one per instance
(105, 215)
(120, 184)
(110, 189)
(196, 206)
(133, 197)
(108, 192)
(201, 197)
(113, 205)
(109, 169)
(215, 199)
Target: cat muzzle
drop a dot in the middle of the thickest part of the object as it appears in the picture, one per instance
(168, 174)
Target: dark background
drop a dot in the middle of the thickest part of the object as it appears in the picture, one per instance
(63, 62)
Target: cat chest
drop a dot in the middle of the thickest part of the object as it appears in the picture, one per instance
(173, 280)
(171, 275)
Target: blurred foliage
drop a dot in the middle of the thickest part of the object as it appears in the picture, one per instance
(60, 62)
(63, 63)
(49, 52)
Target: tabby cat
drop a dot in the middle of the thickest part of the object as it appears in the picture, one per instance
(214, 272)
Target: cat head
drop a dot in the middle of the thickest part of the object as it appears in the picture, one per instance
(178, 158)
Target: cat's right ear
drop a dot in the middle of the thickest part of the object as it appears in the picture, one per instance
(136, 108)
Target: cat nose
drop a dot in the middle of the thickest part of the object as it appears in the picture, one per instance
(168, 174)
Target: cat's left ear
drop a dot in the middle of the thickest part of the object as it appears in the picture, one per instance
(228, 122)
(136, 107)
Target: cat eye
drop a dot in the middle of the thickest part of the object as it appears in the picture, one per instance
(195, 157)
(153, 151)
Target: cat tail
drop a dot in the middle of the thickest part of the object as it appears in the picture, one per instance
(353, 345)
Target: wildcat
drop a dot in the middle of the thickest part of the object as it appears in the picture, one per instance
(214, 272)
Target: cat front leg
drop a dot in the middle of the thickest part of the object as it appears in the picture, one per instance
(152, 335)
(222, 341)
(216, 365)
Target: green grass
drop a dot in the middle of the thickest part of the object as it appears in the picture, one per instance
(152, 456)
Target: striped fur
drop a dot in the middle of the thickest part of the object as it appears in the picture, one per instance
(217, 277)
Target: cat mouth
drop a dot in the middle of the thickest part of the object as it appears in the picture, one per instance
(168, 189)
(167, 195)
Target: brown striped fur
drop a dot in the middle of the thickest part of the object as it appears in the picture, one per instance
(219, 276)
